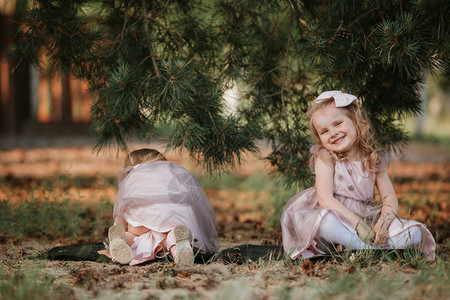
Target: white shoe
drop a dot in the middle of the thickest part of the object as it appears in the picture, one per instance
(184, 255)
(116, 231)
(119, 250)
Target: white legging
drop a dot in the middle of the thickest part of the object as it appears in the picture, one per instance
(408, 239)
(332, 231)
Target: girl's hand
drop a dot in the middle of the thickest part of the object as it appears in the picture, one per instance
(365, 232)
(389, 207)
(381, 236)
(381, 230)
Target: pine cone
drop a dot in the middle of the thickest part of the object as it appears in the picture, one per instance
(343, 33)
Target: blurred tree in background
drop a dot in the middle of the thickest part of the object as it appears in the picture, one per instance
(153, 64)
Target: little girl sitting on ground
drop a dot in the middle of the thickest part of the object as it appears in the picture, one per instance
(160, 208)
(340, 209)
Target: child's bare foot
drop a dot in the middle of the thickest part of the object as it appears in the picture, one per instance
(118, 249)
(105, 253)
(183, 253)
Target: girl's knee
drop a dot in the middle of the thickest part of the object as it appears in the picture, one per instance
(328, 222)
(132, 232)
(413, 234)
(129, 238)
(407, 239)
(331, 222)
(416, 234)
(139, 230)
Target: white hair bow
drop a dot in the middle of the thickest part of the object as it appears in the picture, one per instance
(340, 99)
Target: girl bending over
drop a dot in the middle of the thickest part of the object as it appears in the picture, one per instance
(160, 209)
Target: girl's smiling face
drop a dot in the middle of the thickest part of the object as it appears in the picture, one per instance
(336, 130)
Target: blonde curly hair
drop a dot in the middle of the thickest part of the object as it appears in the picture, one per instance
(143, 155)
(365, 139)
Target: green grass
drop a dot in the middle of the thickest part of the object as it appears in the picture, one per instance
(387, 281)
(363, 277)
(260, 182)
(48, 219)
(46, 214)
(257, 182)
(17, 285)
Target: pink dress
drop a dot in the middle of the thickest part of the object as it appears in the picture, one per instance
(160, 195)
(354, 188)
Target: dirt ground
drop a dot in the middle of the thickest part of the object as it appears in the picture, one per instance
(241, 219)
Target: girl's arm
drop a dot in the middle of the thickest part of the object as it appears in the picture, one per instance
(389, 206)
(324, 169)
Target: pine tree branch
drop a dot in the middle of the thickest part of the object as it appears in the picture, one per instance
(121, 35)
(377, 2)
(156, 22)
(283, 83)
(362, 16)
(147, 31)
(245, 43)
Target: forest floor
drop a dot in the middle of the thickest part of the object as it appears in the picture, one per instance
(247, 204)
